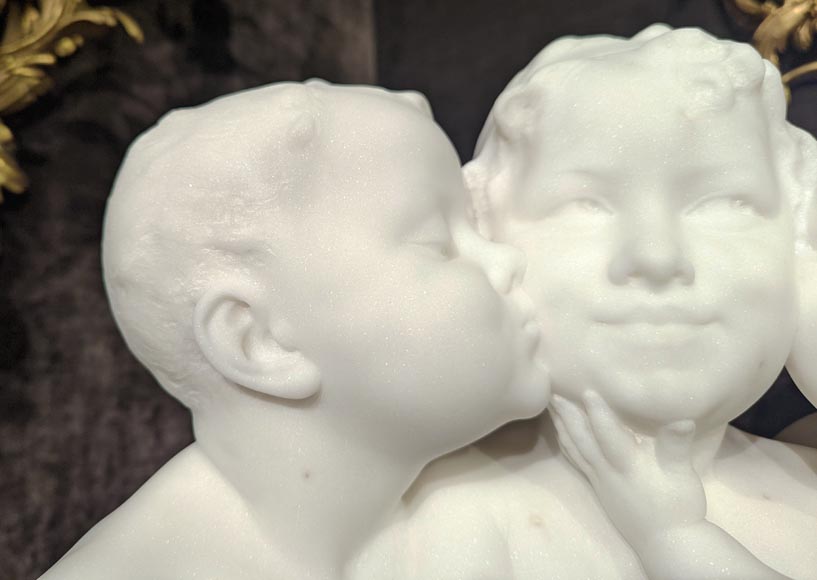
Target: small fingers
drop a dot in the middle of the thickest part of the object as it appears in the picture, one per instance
(569, 448)
(576, 425)
(673, 444)
(613, 438)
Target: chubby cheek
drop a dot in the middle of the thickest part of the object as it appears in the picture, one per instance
(436, 328)
(466, 317)
(749, 281)
(802, 364)
(563, 277)
(749, 278)
(469, 351)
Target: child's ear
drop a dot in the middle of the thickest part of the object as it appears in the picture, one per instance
(802, 174)
(802, 361)
(237, 335)
(515, 112)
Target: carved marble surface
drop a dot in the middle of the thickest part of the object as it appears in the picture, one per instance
(67, 462)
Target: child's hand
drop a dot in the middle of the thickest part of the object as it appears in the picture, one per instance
(647, 486)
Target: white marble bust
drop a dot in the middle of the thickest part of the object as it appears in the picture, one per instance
(294, 264)
(666, 209)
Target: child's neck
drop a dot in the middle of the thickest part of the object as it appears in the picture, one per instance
(311, 493)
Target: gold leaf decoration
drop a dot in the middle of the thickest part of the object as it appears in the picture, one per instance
(792, 22)
(35, 35)
(803, 36)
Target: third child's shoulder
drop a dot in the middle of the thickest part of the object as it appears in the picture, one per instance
(463, 475)
(765, 465)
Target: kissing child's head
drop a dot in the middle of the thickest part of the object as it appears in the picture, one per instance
(309, 243)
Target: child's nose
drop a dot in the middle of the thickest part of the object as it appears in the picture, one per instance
(653, 253)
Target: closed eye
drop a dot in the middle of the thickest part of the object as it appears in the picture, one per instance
(591, 205)
(736, 204)
(440, 248)
(583, 205)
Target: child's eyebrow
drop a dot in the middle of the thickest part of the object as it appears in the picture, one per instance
(582, 177)
(726, 173)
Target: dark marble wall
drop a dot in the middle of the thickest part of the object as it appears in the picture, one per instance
(82, 425)
(461, 53)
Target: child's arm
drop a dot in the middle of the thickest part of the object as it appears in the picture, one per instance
(652, 494)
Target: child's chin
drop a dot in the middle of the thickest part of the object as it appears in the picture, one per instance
(534, 397)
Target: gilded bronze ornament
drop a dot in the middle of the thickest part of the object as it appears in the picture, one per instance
(792, 23)
(35, 35)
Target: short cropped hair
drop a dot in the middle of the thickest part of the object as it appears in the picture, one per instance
(713, 73)
(202, 193)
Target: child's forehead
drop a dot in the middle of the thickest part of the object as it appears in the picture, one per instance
(618, 109)
(613, 91)
(637, 138)
(630, 85)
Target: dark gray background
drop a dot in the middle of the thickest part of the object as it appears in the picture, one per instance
(82, 425)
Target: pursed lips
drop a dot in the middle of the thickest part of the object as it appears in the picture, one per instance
(666, 332)
(527, 313)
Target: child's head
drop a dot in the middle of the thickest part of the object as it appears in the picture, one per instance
(309, 242)
(660, 76)
(658, 192)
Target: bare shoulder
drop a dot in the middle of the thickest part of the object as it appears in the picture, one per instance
(513, 502)
(762, 492)
(146, 536)
(458, 487)
(108, 551)
(452, 527)
(769, 469)
(488, 472)
(459, 514)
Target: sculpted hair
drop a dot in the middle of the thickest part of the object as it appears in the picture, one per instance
(711, 73)
(200, 193)
(211, 191)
